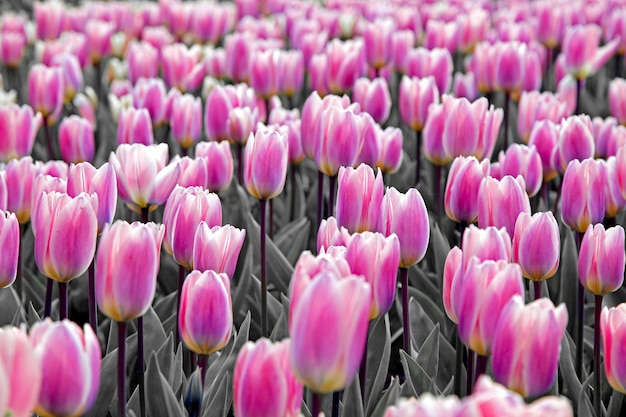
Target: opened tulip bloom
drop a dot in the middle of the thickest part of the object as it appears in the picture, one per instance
(601, 259)
(217, 248)
(527, 345)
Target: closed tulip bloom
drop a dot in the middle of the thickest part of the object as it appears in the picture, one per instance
(617, 99)
(464, 85)
(374, 97)
(217, 248)
(182, 66)
(346, 62)
(407, 217)
(127, 264)
(527, 345)
(18, 130)
(376, 257)
(76, 139)
(390, 157)
(12, 47)
(525, 161)
(65, 230)
(22, 370)
(144, 179)
(220, 164)
(338, 143)
(330, 234)
(99, 35)
(615, 201)
(601, 259)
(265, 162)
(46, 91)
(489, 243)
(134, 126)
(537, 245)
(205, 319)
(9, 246)
(359, 197)
(240, 123)
(150, 94)
(451, 273)
(502, 201)
(328, 328)
(509, 71)
(78, 367)
(581, 52)
(416, 96)
(422, 63)
(377, 37)
(401, 42)
(264, 70)
(186, 120)
(461, 195)
(612, 323)
(583, 194)
(534, 107)
(264, 384)
(432, 134)
(544, 138)
(194, 172)
(575, 140)
(143, 61)
(72, 74)
(487, 288)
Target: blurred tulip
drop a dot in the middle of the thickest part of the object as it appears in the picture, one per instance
(440, 34)
(12, 47)
(18, 129)
(219, 104)
(359, 197)
(486, 244)
(401, 42)
(502, 201)
(240, 124)
(583, 194)
(72, 75)
(217, 248)
(509, 66)
(220, 164)
(534, 107)
(76, 139)
(493, 398)
(292, 69)
(464, 85)
(49, 18)
(374, 97)
(127, 264)
(330, 234)
(524, 161)
(426, 406)
(78, 368)
(422, 63)
(537, 245)
(150, 94)
(341, 313)
(186, 120)
(346, 63)
(575, 140)
(617, 99)
(416, 96)
(432, 135)
(10, 247)
(265, 164)
(462, 189)
(544, 138)
(264, 384)
(46, 91)
(613, 340)
(601, 259)
(205, 319)
(338, 142)
(182, 67)
(390, 157)
(143, 61)
(527, 345)
(580, 48)
(99, 35)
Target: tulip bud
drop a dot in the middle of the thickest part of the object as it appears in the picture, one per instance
(575, 140)
(601, 259)
(544, 137)
(84, 177)
(537, 245)
(217, 248)
(46, 91)
(19, 126)
(583, 194)
(76, 140)
(134, 126)
(416, 96)
(10, 247)
(186, 120)
(265, 162)
(451, 279)
(374, 97)
(150, 94)
(205, 319)
(143, 61)
(219, 164)
(338, 142)
(581, 52)
(461, 195)
(525, 161)
(527, 345)
(359, 197)
(501, 202)
(612, 325)
(330, 234)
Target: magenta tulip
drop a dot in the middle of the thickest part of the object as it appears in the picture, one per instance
(265, 163)
(18, 129)
(416, 95)
(461, 195)
(374, 97)
(134, 126)
(338, 142)
(525, 161)
(612, 325)
(601, 259)
(359, 198)
(583, 194)
(580, 49)
(76, 140)
(219, 163)
(217, 248)
(143, 61)
(451, 279)
(537, 245)
(575, 140)
(46, 91)
(501, 202)
(9, 246)
(186, 120)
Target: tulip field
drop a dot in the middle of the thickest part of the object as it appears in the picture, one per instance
(304, 208)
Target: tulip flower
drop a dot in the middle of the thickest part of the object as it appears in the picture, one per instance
(72, 74)
(341, 313)
(527, 345)
(99, 39)
(217, 248)
(613, 340)
(534, 107)
(464, 85)
(78, 368)
(489, 243)
(583, 194)
(510, 198)
(330, 234)
(134, 126)
(580, 49)
(345, 64)
(359, 198)
(550, 405)
(10, 248)
(264, 384)
(12, 47)
(617, 102)
(601, 259)
(220, 164)
(205, 319)
(544, 137)
(461, 195)
(186, 121)
(182, 67)
(19, 126)
(575, 140)
(615, 202)
(537, 245)
(524, 161)
(338, 142)
(427, 406)
(76, 140)
(433, 132)
(402, 41)
(374, 97)
(451, 269)
(143, 61)
(416, 95)
(265, 164)
(22, 370)
(437, 62)
(377, 37)
(46, 91)
(149, 94)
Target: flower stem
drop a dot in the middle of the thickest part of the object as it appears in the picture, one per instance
(262, 204)
(437, 193)
(48, 303)
(46, 128)
(316, 406)
(270, 220)
(336, 399)
(418, 156)
(481, 366)
(320, 197)
(579, 90)
(93, 309)
(141, 368)
(597, 398)
(182, 272)
(580, 318)
(537, 286)
(507, 104)
(292, 179)
(240, 163)
(406, 324)
(363, 369)
(458, 369)
(62, 300)
(331, 195)
(202, 364)
(471, 355)
(121, 369)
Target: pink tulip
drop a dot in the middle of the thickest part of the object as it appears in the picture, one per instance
(490, 399)
(502, 201)
(265, 72)
(613, 340)
(451, 274)
(376, 257)
(22, 370)
(76, 139)
(608, 136)
(486, 244)
(10, 247)
(238, 50)
(18, 129)
(601, 259)
(46, 91)
(182, 67)
(205, 319)
(49, 18)
(264, 384)
(377, 37)
(217, 248)
(338, 143)
(12, 47)
(473, 28)
(537, 245)
(374, 97)
(144, 178)
(184, 210)
(432, 134)
(580, 48)
(127, 264)
(84, 177)
(527, 345)
(583, 194)
(416, 95)
(575, 140)
(534, 107)
(219, 162)
(549, 405)
(317, 70)
(401, 43)
(340, 313)
(81, 379)
(47, 183)
(426, 406)
(186, 120)
(265, 163)
(194, 172)
(346, 63)
(158, 37)
(464, 85)
(99, 39)
(524, 161)
(617, 99)
(407, 217)
(143, 61)
(509, 66)
(390, 157)
(330, 234)
(359, 198)
(437, 63)
(461, 195)
(291, 120)
(150, 94)
(487, 288)
(72, 74)
(544, 137)
(210, 22)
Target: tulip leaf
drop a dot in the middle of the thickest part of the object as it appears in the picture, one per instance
(154, 335)
(218, 402)
(107, 388)
(421, 323)
(281, 329)
(34, 288)
(378, 356)
(161, 400)
(164, 307)
(585, 409)
(352, 401)
(241, 290)
(440, 247)
(569, 277)
(32, 316)
(419, 379)
(9, 305)
(170, 369)
(389, 397)
(571, 383)
(615, 404)
(428, 356)
(293, 239)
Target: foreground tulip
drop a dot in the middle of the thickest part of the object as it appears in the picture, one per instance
(426, 406)
(461, 195)
(217, 248)
(19, 126)
(337, 308)
(10, 247)
(264, 384)
(527, 345)
(205, 319)
(583, 194)
(78, 368)
(338, 141)
(601, 259)
(359, 196)
(23, 371)
(76, 140)
(613, 324)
